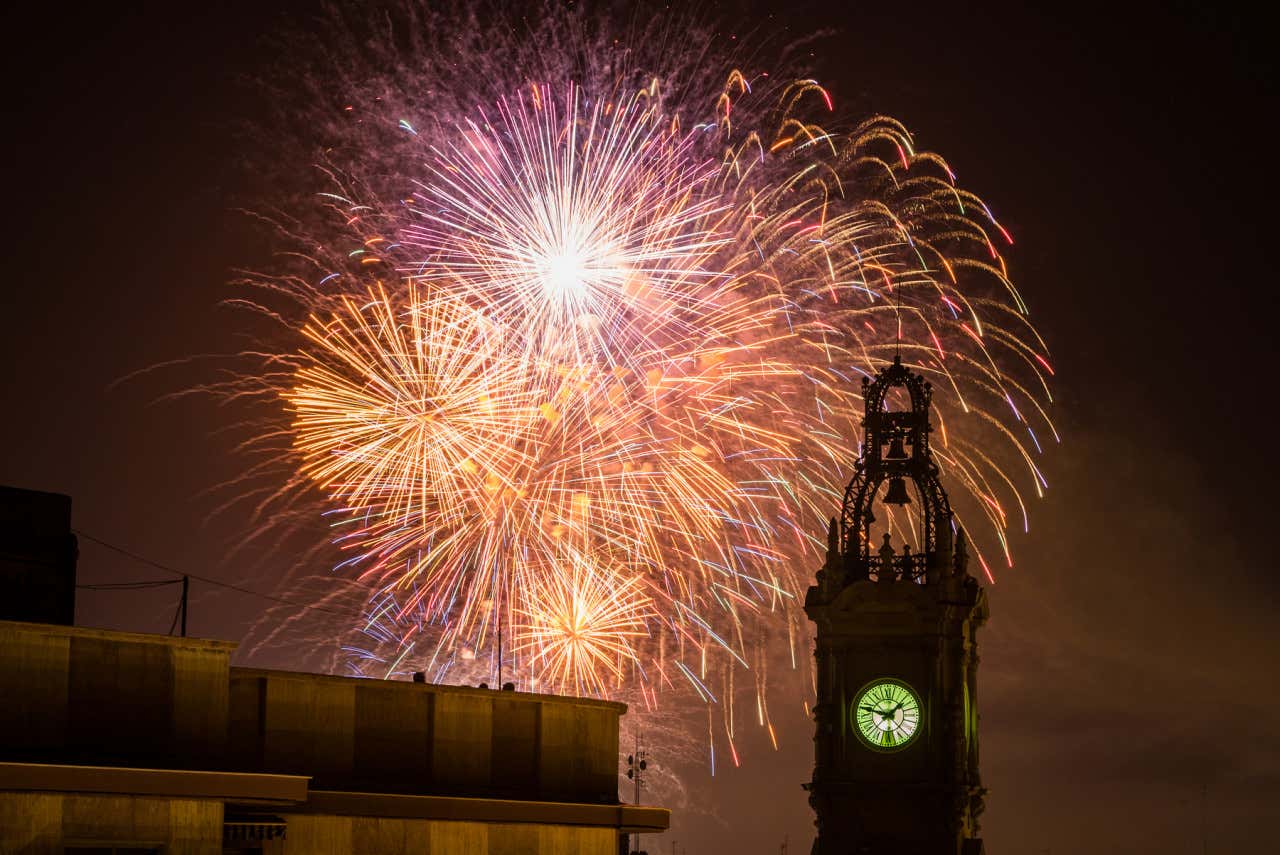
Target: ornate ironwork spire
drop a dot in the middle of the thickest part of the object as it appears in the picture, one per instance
(895, 452)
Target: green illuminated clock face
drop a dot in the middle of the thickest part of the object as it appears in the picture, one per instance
(887, 715)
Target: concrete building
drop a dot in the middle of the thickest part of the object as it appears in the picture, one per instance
(37, 558)
(114, 742)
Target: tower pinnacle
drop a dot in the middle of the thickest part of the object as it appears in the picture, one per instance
(895, 451)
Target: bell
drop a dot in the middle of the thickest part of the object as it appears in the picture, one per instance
(896, 451)
(897, 494)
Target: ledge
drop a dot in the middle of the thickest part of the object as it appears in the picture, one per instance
(625, 818)
(291, 792)
(238, 673)
(59, 630)
(237, 787)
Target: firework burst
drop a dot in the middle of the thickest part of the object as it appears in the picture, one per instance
(578, 626)
(582, 353)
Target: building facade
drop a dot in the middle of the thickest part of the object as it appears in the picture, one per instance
(155, 744)
(115, 742)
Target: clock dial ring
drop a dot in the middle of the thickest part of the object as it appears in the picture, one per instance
(887, 714)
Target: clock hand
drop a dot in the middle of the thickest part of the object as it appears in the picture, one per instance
(886, 716)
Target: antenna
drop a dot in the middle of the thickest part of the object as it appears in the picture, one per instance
(897, 321)
(636, 764)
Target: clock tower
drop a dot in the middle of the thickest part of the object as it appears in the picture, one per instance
(896, 741)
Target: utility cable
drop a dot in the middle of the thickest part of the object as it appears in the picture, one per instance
(130, 586)
(167, 569)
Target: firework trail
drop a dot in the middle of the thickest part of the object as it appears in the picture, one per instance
(581, 335)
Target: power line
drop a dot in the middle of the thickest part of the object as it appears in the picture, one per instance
(167, 569)
(130, 586)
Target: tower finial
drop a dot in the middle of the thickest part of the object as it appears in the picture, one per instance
(897, 322)
(895, 451)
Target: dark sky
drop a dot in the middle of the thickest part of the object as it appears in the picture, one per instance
(1129, 677)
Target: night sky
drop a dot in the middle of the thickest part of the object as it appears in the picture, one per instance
(1129, 672)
